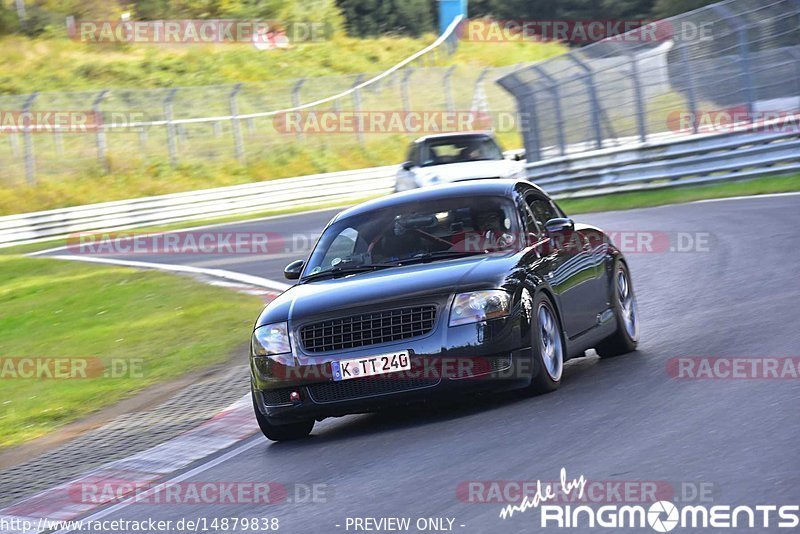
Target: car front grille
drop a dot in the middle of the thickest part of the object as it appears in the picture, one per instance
(366, 387)
(368, 329)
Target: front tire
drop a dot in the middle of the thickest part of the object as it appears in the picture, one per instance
(626, 337)
(547, 346)
(287, 432)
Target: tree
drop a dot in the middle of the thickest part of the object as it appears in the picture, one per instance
(374, 17)
(668, 8)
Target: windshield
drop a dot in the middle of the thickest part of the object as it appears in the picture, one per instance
(421, 231)
(459, 150)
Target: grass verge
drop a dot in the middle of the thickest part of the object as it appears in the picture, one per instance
(50, 63)
(146, 326)
(677, 195)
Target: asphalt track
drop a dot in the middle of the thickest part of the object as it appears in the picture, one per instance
(623, 419)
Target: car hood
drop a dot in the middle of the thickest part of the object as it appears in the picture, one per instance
(470, 170)
(390, 285)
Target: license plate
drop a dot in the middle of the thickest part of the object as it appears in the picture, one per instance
(371, 365)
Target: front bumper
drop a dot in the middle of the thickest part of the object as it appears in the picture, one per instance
(488, 356)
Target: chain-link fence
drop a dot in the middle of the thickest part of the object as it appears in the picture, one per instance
(135, 128)
(114, 141)
(715, 68)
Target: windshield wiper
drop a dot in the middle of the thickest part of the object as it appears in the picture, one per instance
(442, 254)
(339, 271)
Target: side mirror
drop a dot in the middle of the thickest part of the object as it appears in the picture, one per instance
(559, 226)
(293, 270)
(407, 165)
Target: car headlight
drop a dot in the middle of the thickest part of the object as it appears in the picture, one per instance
(271, 339)
(479, 306)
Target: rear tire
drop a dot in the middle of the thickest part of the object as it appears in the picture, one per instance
(547, 346)
(287, 432)
(626, 337)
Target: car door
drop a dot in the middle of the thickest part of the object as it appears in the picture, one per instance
(571, 271)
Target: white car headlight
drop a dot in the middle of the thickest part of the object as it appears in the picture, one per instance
(271, 339)
(479, 306)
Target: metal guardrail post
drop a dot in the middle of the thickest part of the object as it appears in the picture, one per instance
(404, 89)
(58, 139)
(637, 91)
(552, 87)
(13, 140)
(744, 54)
(690, 89)
(238, 143)
(298, 85)
(142, 139)
(533, 145)
(357, 104)
(30, 158)
(172, 146)
(479, 81)
(591, 88)
(100, 136)
(448, 89)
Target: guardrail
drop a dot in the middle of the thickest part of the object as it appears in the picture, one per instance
(672, 162)
(177, 207)
(749, 152)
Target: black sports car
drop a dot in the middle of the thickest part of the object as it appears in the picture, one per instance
(471, 286)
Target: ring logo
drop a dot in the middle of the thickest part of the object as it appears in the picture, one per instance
(663, 516)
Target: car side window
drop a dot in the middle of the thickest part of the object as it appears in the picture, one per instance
(543, 209)
(412, 155)
(531, 228)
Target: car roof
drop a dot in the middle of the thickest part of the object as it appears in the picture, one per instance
(431, 137)
(487, 187)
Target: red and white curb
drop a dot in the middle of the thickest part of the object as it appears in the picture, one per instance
(232, 425)
(149, 467)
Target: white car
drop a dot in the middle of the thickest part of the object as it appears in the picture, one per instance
(455, 157)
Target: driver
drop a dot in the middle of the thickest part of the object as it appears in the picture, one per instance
(493, 226)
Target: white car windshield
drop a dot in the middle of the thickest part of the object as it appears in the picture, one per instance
(459, 150)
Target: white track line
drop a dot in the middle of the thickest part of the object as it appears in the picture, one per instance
(215, 273)
(247, 445)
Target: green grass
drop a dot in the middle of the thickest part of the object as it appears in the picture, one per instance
(60, 64)
(131, 180)
(675, 195)
(172, 325)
